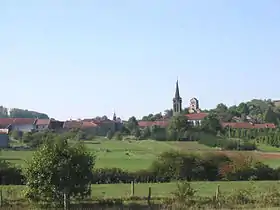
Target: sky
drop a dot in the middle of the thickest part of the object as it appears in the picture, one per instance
(79, 59)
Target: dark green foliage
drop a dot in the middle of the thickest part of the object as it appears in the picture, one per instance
(20, 113)
(57, 168)
(109, 135)
(118, 135)
(211, 124)
(17, 135)
(10, 174)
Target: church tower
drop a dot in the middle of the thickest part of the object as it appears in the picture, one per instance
(177, 101)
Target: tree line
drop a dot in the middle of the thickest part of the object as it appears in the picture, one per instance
(20, 113)
(256, 110)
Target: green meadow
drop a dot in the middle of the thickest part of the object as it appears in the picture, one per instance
(134, 155)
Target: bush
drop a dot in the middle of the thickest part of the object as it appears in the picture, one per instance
(118, 136)
(10, 174)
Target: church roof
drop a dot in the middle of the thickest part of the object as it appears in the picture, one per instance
(177, 93)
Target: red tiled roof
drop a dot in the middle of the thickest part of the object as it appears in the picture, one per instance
(6, 121)
(161, 123)
(196, 116)
(247, 125)
(72, 124)
(43, 121)
(86, 124)
(17, 121)
(23, 121)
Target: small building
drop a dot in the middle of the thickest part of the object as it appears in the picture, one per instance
(42, 124)
(160, 123)
(196, 118)
(24, 124)
(4, 138)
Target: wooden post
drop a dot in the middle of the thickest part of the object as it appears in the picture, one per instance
(65, 201)
(132, 188)
(217, 192)
(1, 198)
(149, 196)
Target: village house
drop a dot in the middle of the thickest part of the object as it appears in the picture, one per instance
(18, 124)
(95, 126)
(4, 138)
(48, 124)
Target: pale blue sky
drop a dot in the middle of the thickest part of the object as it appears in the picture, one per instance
(82, 58)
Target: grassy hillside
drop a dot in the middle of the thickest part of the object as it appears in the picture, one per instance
(134, 155)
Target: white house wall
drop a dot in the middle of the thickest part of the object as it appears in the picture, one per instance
(24, 128)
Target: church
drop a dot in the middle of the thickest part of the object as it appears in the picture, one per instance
(194, 117)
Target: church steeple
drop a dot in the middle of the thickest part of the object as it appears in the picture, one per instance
(114, 116)
(177, 93)
(177, 101)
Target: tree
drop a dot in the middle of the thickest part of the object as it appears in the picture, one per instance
(17, 135)
(145, 133)
(136, 132)
(132, 123)
(211, 124)
(57, 168)
(243, 108)
(270, 116)
(20, 113)
(109, 134)
(178, 124)
(118, 135)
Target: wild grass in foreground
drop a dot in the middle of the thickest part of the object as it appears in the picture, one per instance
(194, 195)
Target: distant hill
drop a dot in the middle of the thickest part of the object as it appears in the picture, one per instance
(21, 113)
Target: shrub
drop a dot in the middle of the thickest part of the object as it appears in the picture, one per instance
(118, 136)
(10, 174)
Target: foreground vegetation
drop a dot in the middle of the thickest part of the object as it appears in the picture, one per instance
(262, 194)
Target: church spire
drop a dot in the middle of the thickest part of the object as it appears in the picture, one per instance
(114, 116)
(177, 101)
(177, 93)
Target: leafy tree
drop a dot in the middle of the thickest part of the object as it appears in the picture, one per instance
(17, 134)
(211, 124)
(118, 136)
(243, 108)
(57, 168)
(20, 113)
(168, 113)
(3, 112)
(270, 116)
(136, 132)
(178, 124)
(132, 123)
(146, 133)
(109, 134)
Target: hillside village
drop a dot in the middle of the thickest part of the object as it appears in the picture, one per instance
(101, 125)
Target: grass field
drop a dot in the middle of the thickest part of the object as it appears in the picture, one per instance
(134, 155)
(158, 190)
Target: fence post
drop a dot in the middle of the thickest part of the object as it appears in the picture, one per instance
(65, 200)
(132, 188)
(1, 197)
(149, 196)
(1, 191)
(217, 196)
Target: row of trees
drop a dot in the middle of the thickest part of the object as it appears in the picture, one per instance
(20, 113)
(258, 111)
